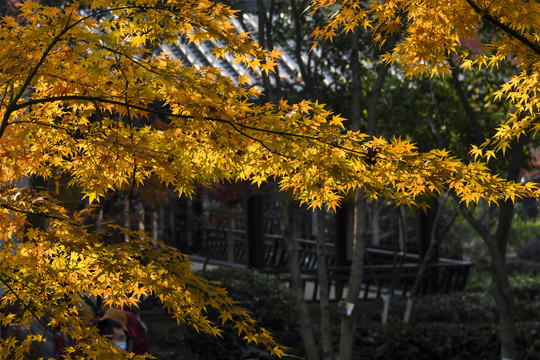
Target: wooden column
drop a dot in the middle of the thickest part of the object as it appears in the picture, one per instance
(255, 232)
(426, 222)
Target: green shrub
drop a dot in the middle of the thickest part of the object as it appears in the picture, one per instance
(270, 303)
(524, 230)
(518, 266)
(447, 326)
(525, 288)
(460, 307)
(529, 251)
(451, 326)
(448, 341)
(528, 339)
(428, 341)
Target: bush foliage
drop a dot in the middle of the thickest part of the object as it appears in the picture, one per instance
(448, 341)
(446, 326)
(269, 302)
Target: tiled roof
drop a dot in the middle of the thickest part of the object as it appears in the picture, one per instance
(199, 55)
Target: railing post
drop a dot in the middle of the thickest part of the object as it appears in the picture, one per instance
(255, 232)
(342, 234)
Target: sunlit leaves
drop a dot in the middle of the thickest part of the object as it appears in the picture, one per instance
(77, 94)
(436, 35)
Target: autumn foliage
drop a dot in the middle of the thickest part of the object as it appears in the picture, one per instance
(78, 88)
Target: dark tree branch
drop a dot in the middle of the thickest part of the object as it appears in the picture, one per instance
(499, 24)
(234, 124)
(27, 212)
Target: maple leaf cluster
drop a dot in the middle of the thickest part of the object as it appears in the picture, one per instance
(435, 36)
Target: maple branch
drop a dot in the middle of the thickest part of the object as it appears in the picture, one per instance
(233, 125)
(12, 106)
(94, 100)
(308, 137)
(131, 138)
(40, 62)
(26, 306)
(4, 95)
(138, 63)
(489, 17)
(37, 122)
(28, 212)
(13, 103)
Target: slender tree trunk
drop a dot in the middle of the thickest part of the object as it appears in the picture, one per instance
(504, 300)
(348, 320)
(373, 114)
(356, 82)
(500, 285)
(267, 41)
(497, 243)
(348, 323)
(140, 217)
(401, 229)
(311, 91)
(471, 115)
(261, 9)
(311, 347)
(428, 257)
(324, 287)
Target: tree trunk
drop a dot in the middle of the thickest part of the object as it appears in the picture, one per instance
(324, 287)
(428, 257)
(497, 244)
(348, 323)
(373, 115)
(310, 345)
(356, 81)
(500, 285)
(401, 229)
(311, 91)
(504, 300)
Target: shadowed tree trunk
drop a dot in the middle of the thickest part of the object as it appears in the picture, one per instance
(348, 322)
(311, 347)
(500, 284)
(497, 243)
(431, 253)
(324, 287)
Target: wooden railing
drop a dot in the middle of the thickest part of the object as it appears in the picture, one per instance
(384, 271)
